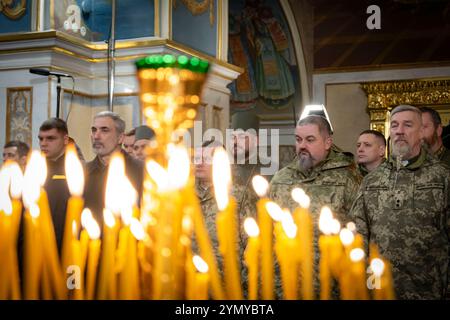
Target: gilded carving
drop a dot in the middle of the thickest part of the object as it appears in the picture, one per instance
(197, 7)
(383, 96)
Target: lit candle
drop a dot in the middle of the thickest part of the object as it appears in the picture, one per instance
(381, 269)
(93, 254)
(226, 223)
(345, 281)
(75, 182)
(266, 226)
(358, 270)
(302, 218)
(77, 293)
(86, 217)
(285, 246)
(16, 187)
(204, 243)
(201, 278)
(33, 246)
(107, 280)
(127, 250)
(251, 256)
(325, 221)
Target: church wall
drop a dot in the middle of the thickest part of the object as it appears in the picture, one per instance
(195, 30)
(346, 106)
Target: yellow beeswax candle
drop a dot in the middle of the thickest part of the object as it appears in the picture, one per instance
(251, 257)
(266, 227)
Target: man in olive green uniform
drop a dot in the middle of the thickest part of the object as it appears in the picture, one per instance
(432, 126)
(370, 151)
(403, 207)
(327, 175)
(205, 192)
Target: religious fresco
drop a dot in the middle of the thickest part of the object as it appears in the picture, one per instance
(194, 23)
(91, 19)
(260, 43)
(19, 107)
(15, 16)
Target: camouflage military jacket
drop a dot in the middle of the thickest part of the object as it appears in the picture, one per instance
(405, 212)
(333, 183)
(443, 154)
(246, 206)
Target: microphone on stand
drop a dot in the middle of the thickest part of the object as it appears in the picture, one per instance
(44, 72)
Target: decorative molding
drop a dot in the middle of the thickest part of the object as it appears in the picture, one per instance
(19, 107)
(383, 96)
(65, 39)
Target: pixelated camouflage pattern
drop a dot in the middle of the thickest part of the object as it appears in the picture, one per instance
(443, 154)
(334, 182)
(404, 210)
(246, 199)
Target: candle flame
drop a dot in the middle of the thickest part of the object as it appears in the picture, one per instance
(34, 210)
(93, 229)
(289, 228)
(356, 254)
(86, 216)
(114, 183)
(346, 237)
(200, 264)
(301, 197)
(221, 177)
(377, 266)
(5, 201)
(137, 229)
(16, 180)
(251, 227)
(351, 226)
(178, 167)
(74, 171)
(34, 178)
(274, 211)
(260, 185)
(129, 196)
(335, 226)
(326, 221)
(108, 217)
(158, 175)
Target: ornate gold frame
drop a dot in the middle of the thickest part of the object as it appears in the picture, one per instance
(383, 96)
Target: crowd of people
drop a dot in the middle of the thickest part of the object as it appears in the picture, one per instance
(399, 201)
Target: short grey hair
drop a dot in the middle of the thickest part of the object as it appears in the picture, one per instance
(118, 121)
(319, 121)
(407, 107)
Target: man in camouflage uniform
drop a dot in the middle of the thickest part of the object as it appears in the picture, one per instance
(403, 207)
(370, 151)
(432, 126)
(205, 192)
(327, 175)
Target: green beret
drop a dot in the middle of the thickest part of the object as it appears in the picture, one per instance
(245, 120)
(144, 132)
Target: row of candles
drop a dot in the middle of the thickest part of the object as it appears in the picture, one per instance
(147, 252)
